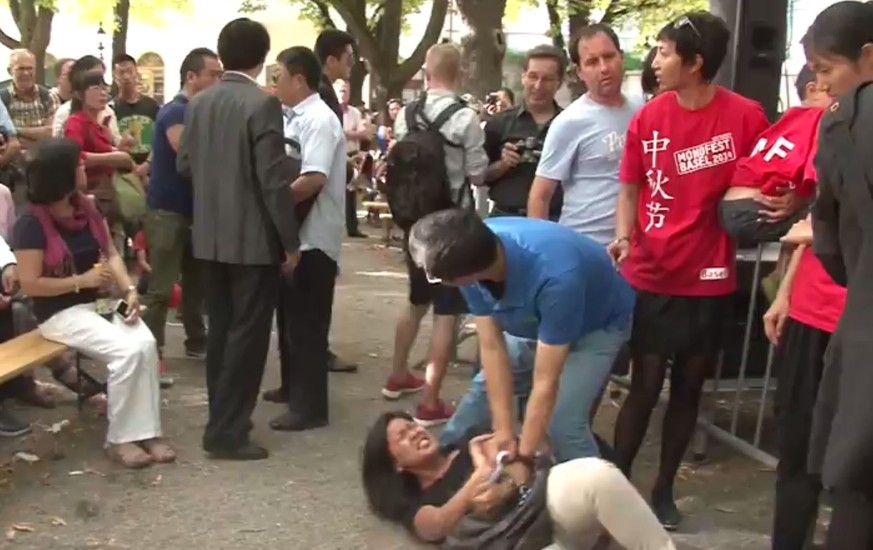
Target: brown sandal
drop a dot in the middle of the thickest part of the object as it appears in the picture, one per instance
(129, 455)
(159, 450)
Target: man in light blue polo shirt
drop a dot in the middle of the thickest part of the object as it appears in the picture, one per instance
(584, 145)
(548, 285)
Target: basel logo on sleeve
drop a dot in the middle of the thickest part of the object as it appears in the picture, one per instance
(715, 152)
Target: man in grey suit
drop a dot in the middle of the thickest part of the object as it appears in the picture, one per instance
(244, 229)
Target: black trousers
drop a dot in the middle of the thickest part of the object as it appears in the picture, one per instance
(800, 362)
(851, 525)
(304, 312)
(240, 300)
(351, 212)
(22, 383)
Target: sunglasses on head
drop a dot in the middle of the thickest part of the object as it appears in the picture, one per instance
(685, 21)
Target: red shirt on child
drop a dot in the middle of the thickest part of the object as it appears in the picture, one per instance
(684, 161)
(780, 154)
(816, 300)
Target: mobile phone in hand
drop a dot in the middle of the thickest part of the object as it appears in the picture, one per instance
(123, 309)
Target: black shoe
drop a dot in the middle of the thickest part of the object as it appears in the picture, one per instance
(357, 235)
(277, 395)
(335, 364)
(665, 510)
(196, 352)
(249, 451)
(292, 422)
(11, 426)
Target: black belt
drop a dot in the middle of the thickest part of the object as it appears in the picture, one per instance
(513, 211)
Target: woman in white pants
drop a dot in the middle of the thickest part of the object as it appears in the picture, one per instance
(410, 480)
(65, 257)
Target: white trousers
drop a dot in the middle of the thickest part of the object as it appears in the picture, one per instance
(131, 356)
(589, 496)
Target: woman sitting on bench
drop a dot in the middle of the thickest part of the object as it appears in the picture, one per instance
(410, 480)
(66, 258)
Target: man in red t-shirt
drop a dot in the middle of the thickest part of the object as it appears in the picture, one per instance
(678, 162)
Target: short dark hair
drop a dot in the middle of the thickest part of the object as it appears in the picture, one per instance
(123, 58)
(648, 79)
(243, 44)
(804, 78)
(544, 51)
(842, 29)
(509, 93)
(194, 63)
(699, 33)
(301, 60)
(84, 64)
(59, 66)
(590, 31)
(452, 243)
(332, 43)
(51, 170)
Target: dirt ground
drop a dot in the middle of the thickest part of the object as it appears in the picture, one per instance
(308, 494)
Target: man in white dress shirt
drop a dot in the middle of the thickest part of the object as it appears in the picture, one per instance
(306, 298)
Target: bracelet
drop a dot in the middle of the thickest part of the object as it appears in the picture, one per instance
(620, 239)
(131, 288)
(76, 283)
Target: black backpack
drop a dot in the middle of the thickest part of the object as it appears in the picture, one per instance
(417, 183)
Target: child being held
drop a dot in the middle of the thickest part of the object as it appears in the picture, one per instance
(775, 168)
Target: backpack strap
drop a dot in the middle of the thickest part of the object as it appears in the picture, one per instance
(446, 114)
(414, 110)
(6, 96)
(45, 97)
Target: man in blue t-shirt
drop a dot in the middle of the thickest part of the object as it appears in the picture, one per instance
(170, 210)
(558, 293)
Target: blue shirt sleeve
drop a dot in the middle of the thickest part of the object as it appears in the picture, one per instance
(6, 120)
(173, 115)
(559, 150)
(561, 307)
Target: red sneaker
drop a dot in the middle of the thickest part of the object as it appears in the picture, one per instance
(398, 386)
(434, 416)
(167, 381)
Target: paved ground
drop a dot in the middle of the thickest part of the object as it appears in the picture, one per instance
(308, 495)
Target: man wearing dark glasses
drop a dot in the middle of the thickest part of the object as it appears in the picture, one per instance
(678, 162)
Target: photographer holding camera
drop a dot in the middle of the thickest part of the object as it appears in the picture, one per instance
(514, 137)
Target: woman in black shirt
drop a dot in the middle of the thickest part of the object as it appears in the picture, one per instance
(410, 480)
(65, 259)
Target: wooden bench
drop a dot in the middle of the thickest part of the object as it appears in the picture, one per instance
(25, 353)
(28, 351)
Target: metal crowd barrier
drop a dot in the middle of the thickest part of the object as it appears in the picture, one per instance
(708, 421)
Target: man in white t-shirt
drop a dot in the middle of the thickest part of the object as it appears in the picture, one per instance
(357, 130)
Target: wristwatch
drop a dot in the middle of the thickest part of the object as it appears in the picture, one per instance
(620, 239)
(131, 288)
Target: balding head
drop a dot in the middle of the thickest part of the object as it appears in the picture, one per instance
(443, 65)
(22, 66)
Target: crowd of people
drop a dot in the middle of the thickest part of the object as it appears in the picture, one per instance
(577, 238)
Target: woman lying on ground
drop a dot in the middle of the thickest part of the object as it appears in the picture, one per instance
(65, 256)
(409, 480)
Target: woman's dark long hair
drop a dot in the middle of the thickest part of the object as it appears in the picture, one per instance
(389, 492)
(51, 170)
(648, 80)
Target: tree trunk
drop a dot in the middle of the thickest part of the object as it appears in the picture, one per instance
(556, 25)
(484, 47)
(578, 15)
(379, 43)
(121, 14)
(356, 84)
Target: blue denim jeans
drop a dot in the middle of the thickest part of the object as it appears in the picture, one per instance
(583, 378)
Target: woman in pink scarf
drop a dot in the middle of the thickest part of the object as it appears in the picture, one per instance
(65, 257)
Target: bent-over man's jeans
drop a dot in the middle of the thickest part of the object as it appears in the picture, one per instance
(585, 374)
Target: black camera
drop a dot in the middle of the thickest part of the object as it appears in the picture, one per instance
(530, 149)
(491, 99)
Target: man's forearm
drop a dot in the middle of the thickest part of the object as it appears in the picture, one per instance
(548, 365)
(307, 185)
(35, 134)
(495, 171)
(540, 198)
(498, 382)
(626, 210)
